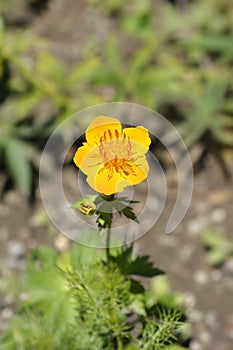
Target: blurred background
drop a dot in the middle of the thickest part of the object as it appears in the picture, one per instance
(174, 56)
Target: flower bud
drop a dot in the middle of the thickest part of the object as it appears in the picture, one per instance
(87, 208)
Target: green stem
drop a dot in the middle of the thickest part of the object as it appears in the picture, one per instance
(108, 198)
(108, 236)
(119, 343)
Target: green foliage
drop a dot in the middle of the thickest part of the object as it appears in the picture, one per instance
(137, 78)
(140, 265)
(219, 247)
(158, 335)
(37, 92)
(77, 301)
(161, 293)
(209, 119)
(175, 58)
(17, 157)
(101, 317)
(137, 19)
(162, 55)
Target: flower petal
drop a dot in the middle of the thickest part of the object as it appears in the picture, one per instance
(139, 135)
(87, 158)
(101, 182)
(105, 127)
(111, 158)
(140, 172)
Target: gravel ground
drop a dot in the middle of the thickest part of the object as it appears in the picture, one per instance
(208, 291)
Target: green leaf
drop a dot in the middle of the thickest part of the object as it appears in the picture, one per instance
(89, 198)
(129, 214)
(141, 266)
(18, 162)
(104, 219)
(136, 287)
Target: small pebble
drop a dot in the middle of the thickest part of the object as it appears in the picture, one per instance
(168, 240)
(195, 345)
(201, 277)
(16, 249)
(211, 319)
(205, 337)
(61, 243)
(196, 226)
(218, 215)
(189, 300)
(195, 316)
(187, 252)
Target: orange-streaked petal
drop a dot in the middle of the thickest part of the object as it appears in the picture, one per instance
(87, 158)
(105, 127)
(139, 135)
(101, 182)
(111, 158)
(141, 169)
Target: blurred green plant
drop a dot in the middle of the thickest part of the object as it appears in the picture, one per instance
(182, 60)
(138, 77)
(76, 301)
(16, 130)
(138, 20)
(37, 92)
(206, 115)
(166, 57)
(219, 247)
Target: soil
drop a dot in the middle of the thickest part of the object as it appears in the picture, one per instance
(207, 290)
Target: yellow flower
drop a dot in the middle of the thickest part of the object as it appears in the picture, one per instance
(113, 158)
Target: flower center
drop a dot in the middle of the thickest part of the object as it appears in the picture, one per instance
(113, 145)
(116, 152)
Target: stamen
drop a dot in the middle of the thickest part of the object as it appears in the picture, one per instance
(110, 134)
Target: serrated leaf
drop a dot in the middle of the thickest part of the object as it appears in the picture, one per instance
(141, 266)
(104, 219)
(136, 287)
(129, 214)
